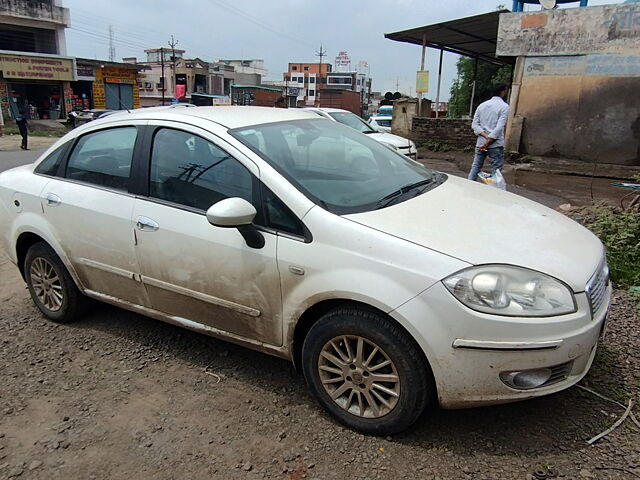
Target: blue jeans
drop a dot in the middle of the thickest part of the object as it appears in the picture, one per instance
(496, 154)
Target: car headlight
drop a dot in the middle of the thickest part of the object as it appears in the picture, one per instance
(511, 291)
(412, 144)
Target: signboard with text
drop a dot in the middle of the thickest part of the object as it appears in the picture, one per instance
(36, 68)
(422, 81)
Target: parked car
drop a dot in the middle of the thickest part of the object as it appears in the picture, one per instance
(394, 142)
(382, 123)
(385, 110)
(85, 116)
(385, 282)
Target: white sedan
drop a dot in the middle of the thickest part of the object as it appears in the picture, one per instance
(387, 283)
(382, 123)
(394, 142)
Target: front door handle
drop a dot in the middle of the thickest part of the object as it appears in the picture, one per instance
(53, 200)
(146, 224)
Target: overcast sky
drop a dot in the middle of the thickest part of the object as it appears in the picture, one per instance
(278, 31)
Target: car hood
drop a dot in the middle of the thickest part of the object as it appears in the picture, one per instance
(390, 138)
(480, 224)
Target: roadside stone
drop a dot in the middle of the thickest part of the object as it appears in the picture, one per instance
(247, 467)
(35, 464)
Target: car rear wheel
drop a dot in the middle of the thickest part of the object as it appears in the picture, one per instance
(51, 287)
(366, 371)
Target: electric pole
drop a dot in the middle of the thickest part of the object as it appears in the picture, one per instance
(173, 44)
(112, 48)
(320, 54)
(163, 83)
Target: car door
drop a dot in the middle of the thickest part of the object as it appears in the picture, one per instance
(191, 269)
(89, 208)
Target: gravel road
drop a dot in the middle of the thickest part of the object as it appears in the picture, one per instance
(117, 395)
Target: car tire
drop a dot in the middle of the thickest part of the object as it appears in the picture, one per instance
(51, 287)
(340, 360)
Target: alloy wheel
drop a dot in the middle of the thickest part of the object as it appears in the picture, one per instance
(359, 376)
(46, 284)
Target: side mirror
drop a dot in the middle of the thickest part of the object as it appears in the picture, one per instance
(236, 213)
(231, 213)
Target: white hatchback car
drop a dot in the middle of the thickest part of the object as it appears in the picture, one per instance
(387, 283)
(395, 142)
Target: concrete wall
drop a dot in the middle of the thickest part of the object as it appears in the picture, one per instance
(404, 111)
(452, 131)
(577, 82)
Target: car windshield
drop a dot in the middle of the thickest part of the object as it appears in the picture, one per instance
(337, 167)
(351, 120)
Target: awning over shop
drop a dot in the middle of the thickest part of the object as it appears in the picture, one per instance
(471, 36)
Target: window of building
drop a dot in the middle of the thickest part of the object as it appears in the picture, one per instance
(104, 158)
(312, 79)
(312, 93)
(191, 171)
(300, 79)
(306, 69)
(294, 68)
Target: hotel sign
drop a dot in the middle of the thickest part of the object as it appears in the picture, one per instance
(36, 68)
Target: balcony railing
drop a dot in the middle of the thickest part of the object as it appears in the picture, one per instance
(43, 11)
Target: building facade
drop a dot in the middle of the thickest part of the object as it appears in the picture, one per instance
(576, 82)
(35, 71)
(304, 80)
(104, 85)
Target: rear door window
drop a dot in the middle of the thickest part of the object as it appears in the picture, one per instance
(104, 158)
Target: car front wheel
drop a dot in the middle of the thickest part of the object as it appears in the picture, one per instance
(51, 287)
(366, 371)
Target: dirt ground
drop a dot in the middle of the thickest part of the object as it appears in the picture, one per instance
(117, 396)
(12, 142)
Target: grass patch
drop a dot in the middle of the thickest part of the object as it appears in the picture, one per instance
(436, 146)
(620, 233)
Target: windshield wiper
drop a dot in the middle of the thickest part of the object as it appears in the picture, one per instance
(367, 132)
(393, 196)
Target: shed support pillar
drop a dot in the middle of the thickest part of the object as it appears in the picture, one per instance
(424, 54)
(439, 78)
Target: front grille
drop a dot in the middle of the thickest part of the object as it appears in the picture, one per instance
(597, 287)
(558, 373)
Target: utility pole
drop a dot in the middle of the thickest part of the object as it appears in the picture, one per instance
(320, 54)
(173, 44)
(112, 48)
(164, 83)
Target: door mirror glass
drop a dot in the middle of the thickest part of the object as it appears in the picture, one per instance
(231, 213)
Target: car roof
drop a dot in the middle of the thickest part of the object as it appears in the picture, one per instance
(326, 109)
(227, 116)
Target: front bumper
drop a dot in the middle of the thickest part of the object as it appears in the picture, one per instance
(468, 350)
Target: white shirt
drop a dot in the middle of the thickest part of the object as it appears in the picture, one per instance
(491, 118)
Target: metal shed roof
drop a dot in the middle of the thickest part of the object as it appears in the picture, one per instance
(471, 36)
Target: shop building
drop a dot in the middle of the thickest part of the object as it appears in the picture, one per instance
(34, 69)
(105, 85)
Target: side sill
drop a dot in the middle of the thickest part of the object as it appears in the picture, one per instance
(281, 352)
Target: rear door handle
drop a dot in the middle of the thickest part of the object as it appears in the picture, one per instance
(53, 200)
(146, 224)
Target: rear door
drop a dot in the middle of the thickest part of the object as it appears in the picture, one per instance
(89, 208)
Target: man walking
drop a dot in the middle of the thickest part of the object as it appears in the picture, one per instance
(488, 124)
(21, 121)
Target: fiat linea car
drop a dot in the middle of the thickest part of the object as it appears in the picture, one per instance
(387, 284)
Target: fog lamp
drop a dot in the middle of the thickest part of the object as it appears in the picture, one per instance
(526, 379)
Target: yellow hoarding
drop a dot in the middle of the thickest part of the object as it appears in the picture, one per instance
(36, 68)
(422, 81)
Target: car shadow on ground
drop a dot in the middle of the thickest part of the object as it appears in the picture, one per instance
(534, 427)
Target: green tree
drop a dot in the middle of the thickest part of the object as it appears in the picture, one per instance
(488, 75)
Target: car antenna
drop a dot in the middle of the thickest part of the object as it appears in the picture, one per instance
(122, 107)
